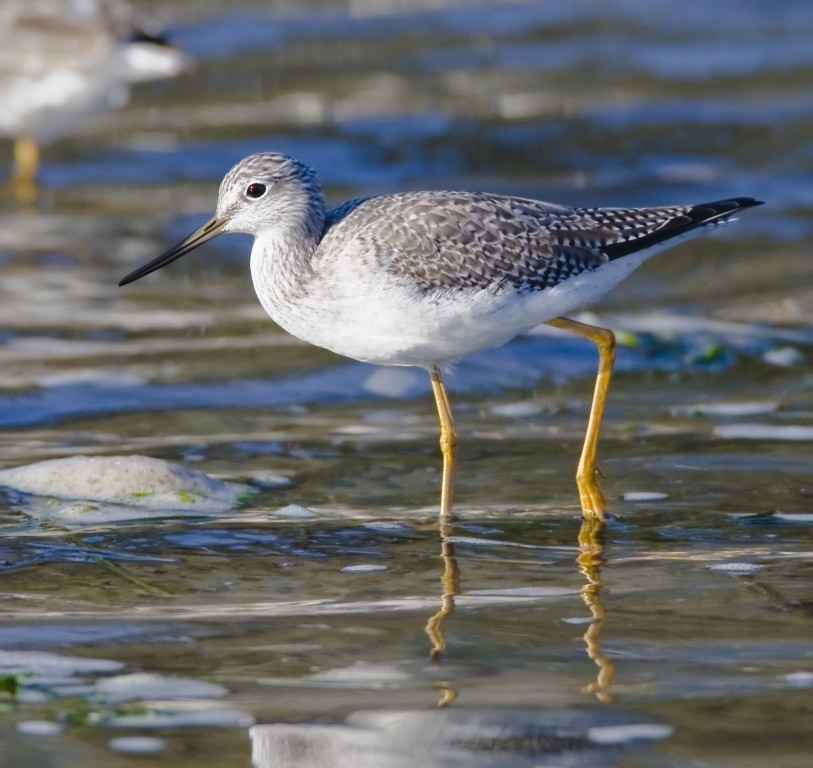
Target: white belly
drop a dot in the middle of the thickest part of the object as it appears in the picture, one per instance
(380, 321)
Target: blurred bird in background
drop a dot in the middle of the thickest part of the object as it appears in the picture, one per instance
(62, 61)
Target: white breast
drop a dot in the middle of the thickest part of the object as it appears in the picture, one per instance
(378, 318)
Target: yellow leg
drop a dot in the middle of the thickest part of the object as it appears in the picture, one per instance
(448, 444)
(26, 162)
(592, 497)
(26, 159)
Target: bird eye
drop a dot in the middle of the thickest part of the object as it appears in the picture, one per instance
(256, 190)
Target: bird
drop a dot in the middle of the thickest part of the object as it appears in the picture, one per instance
(424, 278)
(62, 61)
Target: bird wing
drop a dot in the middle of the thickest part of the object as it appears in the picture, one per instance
(436, 241)
(467, 240)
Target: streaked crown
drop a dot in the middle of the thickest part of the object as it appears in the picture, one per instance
(269, 190)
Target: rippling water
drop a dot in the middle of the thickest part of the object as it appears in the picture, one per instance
(298, 629)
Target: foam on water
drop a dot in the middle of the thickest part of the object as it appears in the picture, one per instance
(179, 717)
(795, 517)
(149, 686)
(621, 734)
(801, 679)
(490, 542)
(362, 673)
(42, 663)
(736, 569)
(365, 568)
(163, 701)
(730, 409)
(788, 432)
(641, 496)
(523, 592)
(294, 510)
(137, 745)
(39, 728)
(121, 487)
(271, 479)
(385, 526)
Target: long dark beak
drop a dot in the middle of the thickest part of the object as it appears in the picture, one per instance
(210, 229)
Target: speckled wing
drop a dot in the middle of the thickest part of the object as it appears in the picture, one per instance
(441, 241)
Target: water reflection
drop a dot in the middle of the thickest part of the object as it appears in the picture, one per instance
(450, 582)
(592, 539)
(452, 737)
(490, 736)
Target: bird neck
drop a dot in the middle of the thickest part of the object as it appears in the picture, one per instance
(281, 267)
(284, 248)
(282, 259)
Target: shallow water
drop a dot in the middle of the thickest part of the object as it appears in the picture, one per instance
(324, 622)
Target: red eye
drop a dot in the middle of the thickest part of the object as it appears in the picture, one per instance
(255, 190)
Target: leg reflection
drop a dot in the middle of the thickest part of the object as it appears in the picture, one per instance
(590, 560)
(450, 582)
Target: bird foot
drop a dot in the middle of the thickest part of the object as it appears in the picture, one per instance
(593, 500)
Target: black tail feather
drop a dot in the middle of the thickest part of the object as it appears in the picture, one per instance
(694, 217)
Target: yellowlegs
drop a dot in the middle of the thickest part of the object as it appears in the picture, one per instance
(421, 278)
(64, 60)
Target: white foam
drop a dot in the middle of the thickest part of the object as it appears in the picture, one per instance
(131, 481)
(783, 357)
(489, 542)
(137, 745)
(645, 496)
(801, 679)
(385, 525)
(43, 663)
(789, 432)
(737, 569)
(795, 517)
(365, 568)
(620, 734)
(753, 408)
(271, 480)
(517, 409)
(205, 717)
(524, 592)
(363, 673)
(148, 686)
(39, 728)
(294, 510)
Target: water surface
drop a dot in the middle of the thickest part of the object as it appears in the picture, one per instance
(323, 623)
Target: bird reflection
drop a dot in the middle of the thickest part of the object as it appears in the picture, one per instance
(590, 559)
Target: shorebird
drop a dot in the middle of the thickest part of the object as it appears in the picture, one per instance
(62, 61)
(424, 278)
